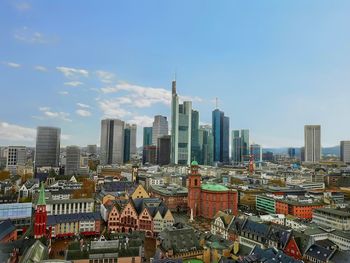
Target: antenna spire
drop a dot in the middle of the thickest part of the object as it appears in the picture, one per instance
(216, 103)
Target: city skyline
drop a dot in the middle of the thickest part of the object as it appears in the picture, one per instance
(272, 73)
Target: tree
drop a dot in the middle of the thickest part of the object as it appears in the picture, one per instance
(4, 175)
(277, 182)
(87, 189)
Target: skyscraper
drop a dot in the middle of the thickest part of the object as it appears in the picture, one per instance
(226, 140)
(133, 132)
(245, 144)
(345, 151)
(47, 150)
(256, 151)
(181, 117)
(236, 147)
(159, 128)
(163, 150)
(312, 138)
(92, 149)
(195, 149)
(147, 140)
(221, 133)
(72, 160)
(127, 143)
(206, 142)
(147, 136)
(112, 141)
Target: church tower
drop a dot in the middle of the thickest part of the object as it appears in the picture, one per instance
(40, 215)
(194, 190)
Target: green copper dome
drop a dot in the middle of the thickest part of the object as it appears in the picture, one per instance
(214, 187)
(194, 163)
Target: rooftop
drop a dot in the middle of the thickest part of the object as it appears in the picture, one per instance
(214, 187)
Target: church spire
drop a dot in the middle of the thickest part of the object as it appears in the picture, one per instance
(41, 199)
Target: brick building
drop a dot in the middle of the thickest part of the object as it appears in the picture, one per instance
(207, 199)
(298, 209)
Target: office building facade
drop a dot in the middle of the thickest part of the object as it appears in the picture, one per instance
(159, 128)
(345, 151)
(206, 142)
(312, 139)
(47, 150)
(112, 141)
(256, 151)
(72, 160)
(195, 147)
(221, 135)
(163, 150)
(127, 144)
(236, 147)
(16, 155)
(181, 118)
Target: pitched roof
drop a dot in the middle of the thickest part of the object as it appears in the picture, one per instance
(6, 227)
(67, 218)
(41, 199)
(318, 252)
(226, 218)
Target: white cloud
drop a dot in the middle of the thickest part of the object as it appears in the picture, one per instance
(73, 72)
(16, 133)
(64, 93)
(143, 121)
(49, 114)
(12, 64)
(82, 105)
(105, 76)
(30, 36)
(83, 113)
(40, 68)
(142, 97)
(111, 109)
(73, 83)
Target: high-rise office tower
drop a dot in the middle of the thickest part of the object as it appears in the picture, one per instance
(127, 144)
(221, 133)
(147, 140)
(256, 151)
(147, 136)
(16, 155)
(226, 140)
(181, 117)
(47, 150)
(163, 150)
(245, 144)
(133, 132)
(159, 128)
(345, 151)
(195, 148)
(112, 141)
(206, 142)
(236, 147)
(72, 160)
(312, 139)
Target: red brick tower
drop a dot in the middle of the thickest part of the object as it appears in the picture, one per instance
(40, 215)
(194, 190)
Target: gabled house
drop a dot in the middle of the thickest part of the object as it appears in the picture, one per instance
(221, 223)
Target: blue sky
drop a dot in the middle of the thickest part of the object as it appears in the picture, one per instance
(274, 65)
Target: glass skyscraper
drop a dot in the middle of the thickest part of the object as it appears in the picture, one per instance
(112, 141)
(181, 118)
(47, 150)
(147, 136)
(221, 136)
(195, 149)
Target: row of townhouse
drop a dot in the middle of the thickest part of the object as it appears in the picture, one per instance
(150, 215)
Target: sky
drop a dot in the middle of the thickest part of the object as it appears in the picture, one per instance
(273, 65)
